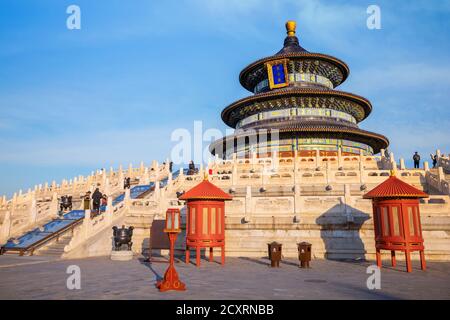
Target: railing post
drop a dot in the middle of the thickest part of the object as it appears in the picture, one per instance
(248, 204)
(339, 156)
(402, 164)
(54, 205)
(5, 229)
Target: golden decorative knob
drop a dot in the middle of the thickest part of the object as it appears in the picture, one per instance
(290, 28)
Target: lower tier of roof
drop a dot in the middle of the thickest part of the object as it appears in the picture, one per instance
(301, 131)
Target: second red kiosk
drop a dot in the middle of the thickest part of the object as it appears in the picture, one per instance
(205, 219)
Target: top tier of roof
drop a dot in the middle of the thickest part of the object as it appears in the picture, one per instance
(393, 187)
(205, 190)
(291, 50)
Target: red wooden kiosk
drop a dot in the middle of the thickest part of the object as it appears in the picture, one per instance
(397, 219)
(205, 220)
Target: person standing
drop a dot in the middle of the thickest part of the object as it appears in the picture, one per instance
(96, 199)
(416, 159)
(434, 159)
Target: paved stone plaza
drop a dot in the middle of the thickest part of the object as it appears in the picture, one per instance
(241, 278)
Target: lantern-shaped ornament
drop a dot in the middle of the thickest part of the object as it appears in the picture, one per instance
(171, 280)
(172, 221)
(397, 219)
(205, 220)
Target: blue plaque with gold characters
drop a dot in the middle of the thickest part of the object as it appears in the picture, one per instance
(277, 73)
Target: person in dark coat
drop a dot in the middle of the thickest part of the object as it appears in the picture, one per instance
(434, 158)
(191, 168)
(416, 159)
(96, 199)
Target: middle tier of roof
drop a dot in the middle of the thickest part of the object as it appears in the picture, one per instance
(297, 97)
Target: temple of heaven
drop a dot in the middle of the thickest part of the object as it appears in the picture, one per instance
(295, 108)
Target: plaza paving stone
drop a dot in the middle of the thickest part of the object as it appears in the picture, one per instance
(240, 278)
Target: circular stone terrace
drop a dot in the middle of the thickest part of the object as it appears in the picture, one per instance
(38, 277)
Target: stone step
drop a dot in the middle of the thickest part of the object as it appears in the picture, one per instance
(49, 253)
(56, 246)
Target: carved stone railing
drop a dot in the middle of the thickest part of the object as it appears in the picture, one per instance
(438, 181)
(444, 162)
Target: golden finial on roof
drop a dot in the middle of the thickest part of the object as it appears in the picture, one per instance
(393, 172)
(290, 28)
(205, 176)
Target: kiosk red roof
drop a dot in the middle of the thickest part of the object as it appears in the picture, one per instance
(205, 190)
(393, 187)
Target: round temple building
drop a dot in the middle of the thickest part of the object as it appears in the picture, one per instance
(295, 108)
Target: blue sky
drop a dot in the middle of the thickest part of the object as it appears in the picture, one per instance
(72, 101)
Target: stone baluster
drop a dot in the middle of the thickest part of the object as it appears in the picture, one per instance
(87, 224)
(254, 158)
(317, 158)
(181, 172)
(361, 159)
(141, 168)
(201, 171)
(329, 175)
(402, 164)
(54, 205)
(234, 175)
(146, 176)
(441, 178)
(127, 197)
(156, 193)
(393, 163)
(248, 204)
(130, 170)
(33, 211)
(121, 177)
(297, 203)
(107, 187)
(109, 209)
(339, 156)
(5, 229)
(426, 166)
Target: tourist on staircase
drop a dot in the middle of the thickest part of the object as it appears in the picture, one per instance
(127, 183)
(434, 159)
(191, 170)
(66, 203)
(104, 200)
(416, 159)
(96, 199)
